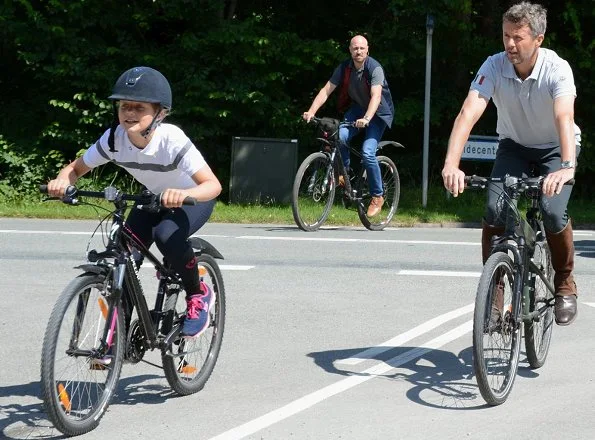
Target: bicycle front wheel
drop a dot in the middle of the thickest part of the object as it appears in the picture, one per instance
(189, 362)
(538, 333)
(313, 192)
(391, 188)
(76, 383)
(496, 334)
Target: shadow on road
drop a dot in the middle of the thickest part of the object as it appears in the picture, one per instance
(585, 248)
(439, 378)
(18, 421)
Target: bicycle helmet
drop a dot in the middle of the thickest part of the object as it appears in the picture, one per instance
(143, 84)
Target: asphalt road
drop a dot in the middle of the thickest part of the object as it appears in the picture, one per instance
(339, 334)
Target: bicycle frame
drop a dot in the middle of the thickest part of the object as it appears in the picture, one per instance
(521, 232)
(336, 162)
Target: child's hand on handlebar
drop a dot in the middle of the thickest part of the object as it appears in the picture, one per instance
(57, 187)
(173, 198)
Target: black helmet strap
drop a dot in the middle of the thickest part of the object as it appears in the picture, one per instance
(116, 122)
(147, 130)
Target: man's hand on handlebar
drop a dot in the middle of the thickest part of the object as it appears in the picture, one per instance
(306, 116)
(454, 180)
(361, 123)
(554, 182)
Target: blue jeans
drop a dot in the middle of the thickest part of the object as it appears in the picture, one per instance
(373, 134)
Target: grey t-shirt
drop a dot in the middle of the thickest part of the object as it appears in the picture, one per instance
(526, 108)
(358, 90)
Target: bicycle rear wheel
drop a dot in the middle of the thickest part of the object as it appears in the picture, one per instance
(76, 383)
(391, 187)
(313, 192)
(496, 335)
(189, 362)
(538, 333)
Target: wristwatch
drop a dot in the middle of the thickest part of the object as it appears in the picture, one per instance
(566, 164)
(366, 118)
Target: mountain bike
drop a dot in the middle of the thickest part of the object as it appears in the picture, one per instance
(515, 291)
(322, 172)
(91, 331)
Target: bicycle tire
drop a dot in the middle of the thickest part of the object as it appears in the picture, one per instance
(313, 192)
(77, 390)
(188, 374)
(538, 334)
(496, 335)
(391, 189)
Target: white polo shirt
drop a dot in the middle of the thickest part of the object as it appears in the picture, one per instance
(168, 161)
(526, 108)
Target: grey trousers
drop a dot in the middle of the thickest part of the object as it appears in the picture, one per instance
(516, 160)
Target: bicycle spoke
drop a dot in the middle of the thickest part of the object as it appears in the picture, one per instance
(313, 192)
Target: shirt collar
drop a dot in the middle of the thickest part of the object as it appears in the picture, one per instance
(509, 72)
(152, 146)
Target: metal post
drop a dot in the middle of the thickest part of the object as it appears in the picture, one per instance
(429, 32)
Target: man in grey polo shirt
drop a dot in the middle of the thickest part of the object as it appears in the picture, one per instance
(365, 99)
(534, 92)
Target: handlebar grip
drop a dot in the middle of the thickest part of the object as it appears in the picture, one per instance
(190, 201)
(43, 189)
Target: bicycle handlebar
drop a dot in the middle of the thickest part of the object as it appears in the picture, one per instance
(521, 183)
(317, 120)
(148, 199)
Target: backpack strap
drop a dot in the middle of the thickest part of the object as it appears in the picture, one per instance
(344, 100)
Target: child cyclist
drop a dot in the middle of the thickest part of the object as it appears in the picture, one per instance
(163, 159)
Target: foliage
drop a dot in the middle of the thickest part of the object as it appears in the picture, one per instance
(250, 68)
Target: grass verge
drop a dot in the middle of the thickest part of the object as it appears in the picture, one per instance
(440, 210)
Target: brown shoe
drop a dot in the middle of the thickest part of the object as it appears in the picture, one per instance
(375, 206)
(565, 309)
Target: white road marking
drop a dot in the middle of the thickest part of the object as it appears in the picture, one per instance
(590, 304)
(312, 399)
(406, 337)
(439, 273)
(17, 231)
(323, 239)
(358, 240)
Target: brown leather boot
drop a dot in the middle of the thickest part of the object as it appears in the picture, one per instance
(562, 250)
(487, 232)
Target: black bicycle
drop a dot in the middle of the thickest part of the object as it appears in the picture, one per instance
(322, 172)
(515, 291)
(91, 331)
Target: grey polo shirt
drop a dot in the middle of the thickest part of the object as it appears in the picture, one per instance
(526, 108)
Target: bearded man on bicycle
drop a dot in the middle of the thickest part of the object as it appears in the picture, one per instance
(534, 92)
(365, 99)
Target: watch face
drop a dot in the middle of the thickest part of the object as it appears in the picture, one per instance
(567, 164)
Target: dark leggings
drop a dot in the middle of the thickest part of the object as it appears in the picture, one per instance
(517, 160)
(170, 230)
